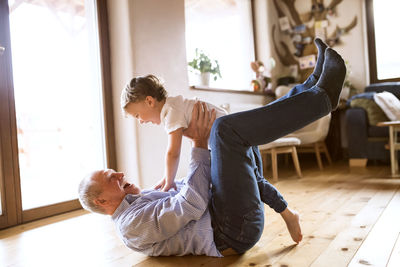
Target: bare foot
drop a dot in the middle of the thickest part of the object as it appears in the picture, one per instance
(292, 220)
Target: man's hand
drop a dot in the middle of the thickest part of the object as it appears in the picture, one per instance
(200, 125)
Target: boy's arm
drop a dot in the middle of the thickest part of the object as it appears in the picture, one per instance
(171, 159)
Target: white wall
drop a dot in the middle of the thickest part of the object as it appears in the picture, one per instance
(354, 46)
(121, 71)
(148, 36)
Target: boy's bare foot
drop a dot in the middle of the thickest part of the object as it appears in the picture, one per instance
(292, 220)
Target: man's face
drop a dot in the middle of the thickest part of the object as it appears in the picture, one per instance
(114, 186)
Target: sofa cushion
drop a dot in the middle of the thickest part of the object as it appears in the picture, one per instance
(390, 105)
(374, 112)
(392, 87)
(366, 95)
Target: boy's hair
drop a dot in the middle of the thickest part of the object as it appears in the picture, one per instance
(140, 87)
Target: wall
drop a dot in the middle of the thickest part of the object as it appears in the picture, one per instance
(121, 71)
(148, 36)
(352, 46)
(265, 17)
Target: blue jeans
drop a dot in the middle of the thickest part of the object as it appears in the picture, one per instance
(238, 186)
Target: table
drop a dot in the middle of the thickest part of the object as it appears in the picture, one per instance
(394, 144)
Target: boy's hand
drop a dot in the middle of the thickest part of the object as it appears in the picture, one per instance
(165, 186)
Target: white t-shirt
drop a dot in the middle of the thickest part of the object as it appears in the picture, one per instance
(177, 112)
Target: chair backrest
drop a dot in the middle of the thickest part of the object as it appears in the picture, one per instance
(313, 132)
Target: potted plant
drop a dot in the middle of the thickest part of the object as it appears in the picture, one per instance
(204, 66)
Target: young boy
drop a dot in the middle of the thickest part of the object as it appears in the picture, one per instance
(145, 99)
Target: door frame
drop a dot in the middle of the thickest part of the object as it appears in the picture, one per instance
(10, 191)
(9, 166)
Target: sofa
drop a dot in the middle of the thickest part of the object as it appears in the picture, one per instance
(367, 141)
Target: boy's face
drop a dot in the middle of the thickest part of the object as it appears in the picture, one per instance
(145, 111)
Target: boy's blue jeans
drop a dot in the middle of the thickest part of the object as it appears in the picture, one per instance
(238, 186)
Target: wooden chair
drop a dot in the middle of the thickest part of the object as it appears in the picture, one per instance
(312, 136)
(279, 146)
(316, 148)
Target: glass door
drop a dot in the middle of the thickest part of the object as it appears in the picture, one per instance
(58, 96)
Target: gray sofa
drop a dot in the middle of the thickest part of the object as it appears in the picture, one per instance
(367, 141)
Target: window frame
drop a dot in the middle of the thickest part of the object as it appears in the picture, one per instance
(373, 71)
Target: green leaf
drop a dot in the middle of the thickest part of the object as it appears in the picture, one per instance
(203, 63)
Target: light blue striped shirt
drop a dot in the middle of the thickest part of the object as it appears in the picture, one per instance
(171, 223)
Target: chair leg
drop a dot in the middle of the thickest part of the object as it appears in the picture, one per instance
(264, 162)
(296, 161)
(274, 161)
(318, 155)
(325, 149)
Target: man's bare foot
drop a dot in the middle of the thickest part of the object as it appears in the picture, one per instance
(292, 220)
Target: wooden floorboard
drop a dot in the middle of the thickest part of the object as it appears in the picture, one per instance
(394, 260)
(348, 240)
(384, 234)
(348, 216)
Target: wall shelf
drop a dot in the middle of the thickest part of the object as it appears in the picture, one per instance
(220, 90)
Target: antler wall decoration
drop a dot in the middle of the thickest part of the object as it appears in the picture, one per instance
(303, 28)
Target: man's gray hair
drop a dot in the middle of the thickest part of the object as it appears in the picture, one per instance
(88, 191)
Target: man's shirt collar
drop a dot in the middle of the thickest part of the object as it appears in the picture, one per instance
(125, 203)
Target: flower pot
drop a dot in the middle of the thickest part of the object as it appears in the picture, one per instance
(345, 93)
(205, 79)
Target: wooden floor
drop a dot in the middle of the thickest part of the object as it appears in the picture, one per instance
(348, 217)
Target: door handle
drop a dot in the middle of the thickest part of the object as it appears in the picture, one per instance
(2, 49)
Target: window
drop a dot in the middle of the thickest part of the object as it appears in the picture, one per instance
(223, 30)
(382, 22)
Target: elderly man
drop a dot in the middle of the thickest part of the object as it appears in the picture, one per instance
(228, 217)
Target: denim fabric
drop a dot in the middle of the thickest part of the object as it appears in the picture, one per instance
(310, 82)
(238, 186)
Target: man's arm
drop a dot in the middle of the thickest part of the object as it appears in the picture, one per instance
(158, 220)
(149, 221)
(200, 125)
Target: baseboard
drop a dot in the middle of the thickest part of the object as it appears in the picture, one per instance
(358, 162)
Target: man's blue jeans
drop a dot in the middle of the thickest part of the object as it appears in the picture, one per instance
(238, 186)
